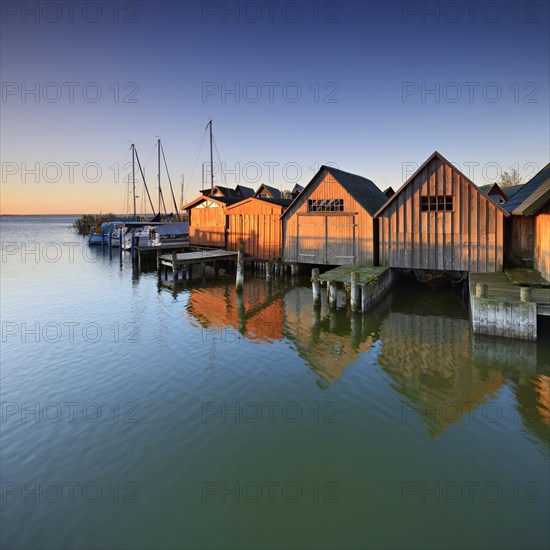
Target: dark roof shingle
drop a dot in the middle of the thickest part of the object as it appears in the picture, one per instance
(363, 190)
(531, 196)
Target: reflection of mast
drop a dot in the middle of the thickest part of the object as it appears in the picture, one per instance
(134, 177)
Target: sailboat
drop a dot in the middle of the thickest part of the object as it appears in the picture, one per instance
(144, 232)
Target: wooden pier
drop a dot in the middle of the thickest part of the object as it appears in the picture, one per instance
(362, 286)
(182, 262)
(499, 307)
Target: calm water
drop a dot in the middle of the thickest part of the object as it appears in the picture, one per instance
(138, 416)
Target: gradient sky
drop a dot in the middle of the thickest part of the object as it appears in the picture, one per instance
(374, 60)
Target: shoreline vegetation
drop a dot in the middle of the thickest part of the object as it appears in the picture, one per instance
(87, 221)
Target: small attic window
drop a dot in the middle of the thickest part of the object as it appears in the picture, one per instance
(437, 203)
(325, 205)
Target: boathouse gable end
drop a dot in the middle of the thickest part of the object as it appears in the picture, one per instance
(440, 220)
(208, 221)
(257, 223)
(331, 221)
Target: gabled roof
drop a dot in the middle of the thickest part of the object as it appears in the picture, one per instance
(273, 191)
(531, 196)
(226, 191)
(224, 201)
(297, 188)
(243, 191)
(505, 192)
(279, 202)
(511, 190)
(438, 155)
(363, 190)
(389, 192)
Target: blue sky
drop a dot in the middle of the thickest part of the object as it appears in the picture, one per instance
(363, 70)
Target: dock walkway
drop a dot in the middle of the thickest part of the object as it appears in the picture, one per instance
(501, 308)
(342, 274)
(179, 262)
(363, 286)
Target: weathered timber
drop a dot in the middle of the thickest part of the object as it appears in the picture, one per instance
(507, 310)
(526, 277)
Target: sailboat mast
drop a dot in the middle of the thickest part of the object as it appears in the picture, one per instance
(211, 160)
(134, 178)
(160, 192)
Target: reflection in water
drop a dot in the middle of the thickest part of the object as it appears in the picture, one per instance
(326, 339)
(419, 336)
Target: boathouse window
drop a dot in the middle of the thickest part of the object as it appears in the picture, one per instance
(437, 203)
(325, 205)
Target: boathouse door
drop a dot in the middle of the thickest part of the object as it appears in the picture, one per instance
(326, 239)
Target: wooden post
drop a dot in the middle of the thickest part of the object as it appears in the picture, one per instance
(355, 294)
(174, 263)
(525, 293)
(133, 247)
(240, 267)
(120, 244)
(364, 298)
(332, 294)
(316, 286)
(268, 271)
(481, 290)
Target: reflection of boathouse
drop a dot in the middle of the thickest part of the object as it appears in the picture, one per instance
(328, 340)
(225, 315)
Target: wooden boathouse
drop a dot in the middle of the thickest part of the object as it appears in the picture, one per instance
(267, 192)
(257, 223)
(528, 227)
(208, 220)
(439, 220)
(331, 222)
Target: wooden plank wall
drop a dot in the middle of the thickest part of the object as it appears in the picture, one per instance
(347, 233)
(520, 241)
(207, 226)
(469, 238)
(542, 246)
(259, 226)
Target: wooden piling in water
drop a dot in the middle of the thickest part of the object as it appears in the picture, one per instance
(364, 298)
(240, 267)
(268, 271)
(316, 286)
(332, 294)
(355, 291)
